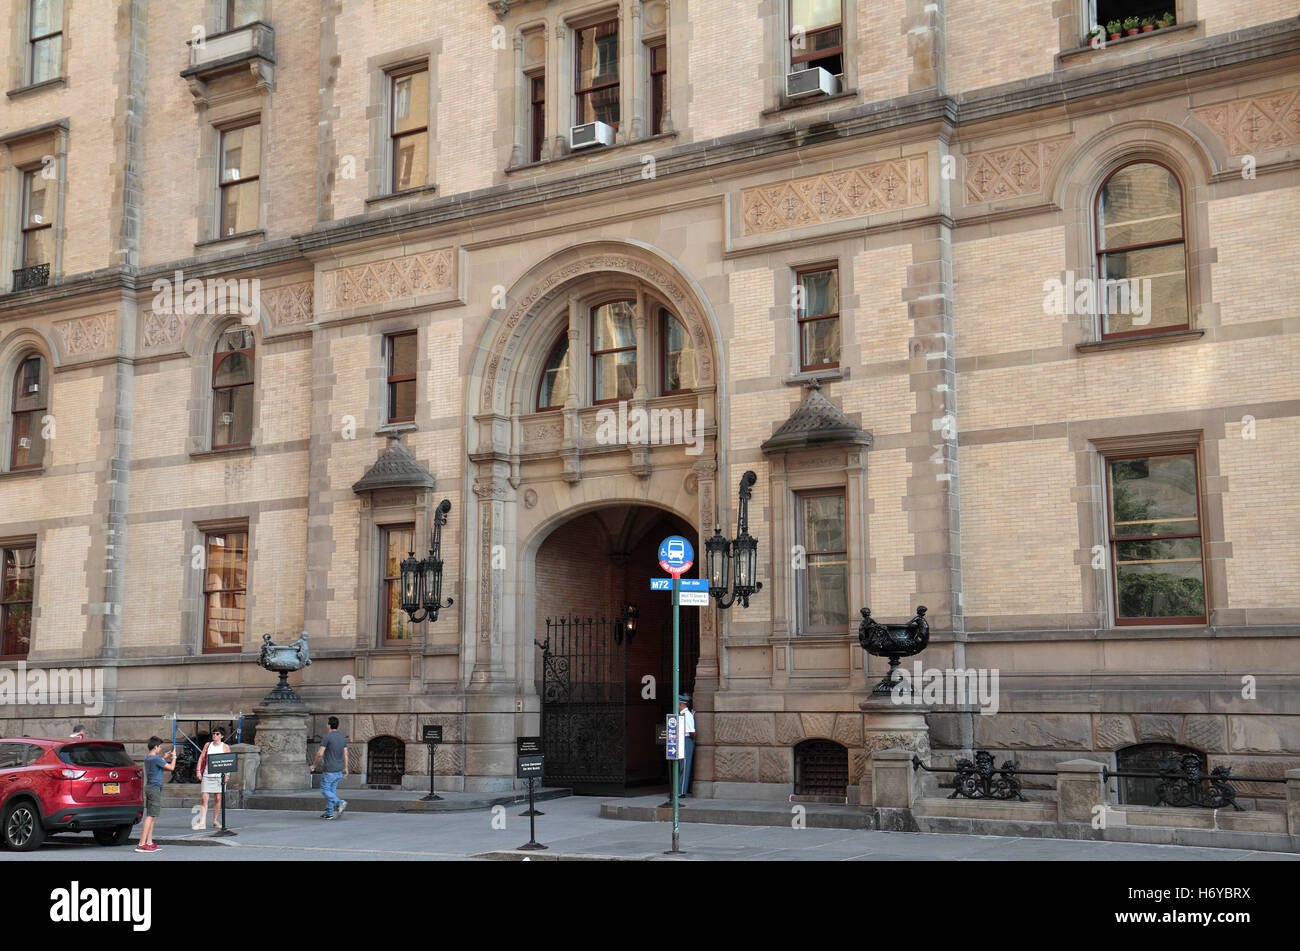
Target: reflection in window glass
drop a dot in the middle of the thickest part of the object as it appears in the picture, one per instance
(825, 580)
(613, 350)
(225, 587)
(398, 544)
(554, 388)
(1140, 237)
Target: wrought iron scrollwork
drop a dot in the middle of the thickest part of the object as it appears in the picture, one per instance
(980, 779)
(1189, 785)
(893, 641)
(37, 275)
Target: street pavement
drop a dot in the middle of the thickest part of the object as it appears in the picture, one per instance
(573, 828)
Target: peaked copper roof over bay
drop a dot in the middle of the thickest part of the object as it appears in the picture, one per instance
(816, 422)
(395, 468)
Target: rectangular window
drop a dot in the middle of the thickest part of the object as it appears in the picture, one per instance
(19, 566)
(824, 583)
(225, 589)
(241, 169)
(242, 12)
(401, 377)
(613, 351)
(819, 318)
(38, 224)
(658, 87)
(816, 35)
(1155, 539)
(409, 125)
(537, 116)
(398, 544)
(45, 39)
(596, 75)
(678, 356)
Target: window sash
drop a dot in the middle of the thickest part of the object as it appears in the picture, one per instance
(658, 86)
(537, 113)
(557, 370)
(416, 130)
(826, 562)
(398, 542)
(593, 99)
(1160, 543)
(682, 360)
(396, 380)
(36, 235)
(232, 559)
(233, 212)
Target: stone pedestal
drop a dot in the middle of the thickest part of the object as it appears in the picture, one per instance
(1293, 801)
(892, 726)
(282, 737)
(1080, 789)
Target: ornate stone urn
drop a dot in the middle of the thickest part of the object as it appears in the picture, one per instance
(282, 719)
(893, 641)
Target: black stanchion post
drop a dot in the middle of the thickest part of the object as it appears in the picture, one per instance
(432, 737)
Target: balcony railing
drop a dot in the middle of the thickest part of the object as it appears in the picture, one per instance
(38, 275)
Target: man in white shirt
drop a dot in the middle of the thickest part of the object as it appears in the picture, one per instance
(688, 731)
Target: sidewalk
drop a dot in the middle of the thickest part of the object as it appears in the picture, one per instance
(394, 800)
(573, 829)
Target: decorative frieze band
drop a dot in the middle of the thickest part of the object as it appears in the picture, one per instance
(835, 196)
(289, 305)
(378, 282)
(83, 335)
(1012, 171)
(1256, 124)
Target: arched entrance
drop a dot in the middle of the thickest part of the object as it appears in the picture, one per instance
(605, 689)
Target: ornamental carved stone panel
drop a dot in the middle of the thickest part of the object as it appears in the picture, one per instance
(1256, 124)
(289, 305)
(1012, 171)
(378, 282)
(162, 330)
(836, 196)
(83, 335)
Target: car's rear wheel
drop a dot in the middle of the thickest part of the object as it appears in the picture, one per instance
(21, 828)
(114, 836)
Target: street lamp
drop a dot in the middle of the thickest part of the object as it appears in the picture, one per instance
(720, 553)
(422, 577)
(628, 621)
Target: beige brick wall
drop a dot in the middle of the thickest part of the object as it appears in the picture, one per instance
(1019, 529)
(1261, 514)
(998, 292)
(1132, 383)
(1250, 233)
(998, 41)
(881, 322)
(749, 354)
(63, 590)
(883, 60)
(160, 424)
(1223, 16)
(725, 33)
(155, 581)
(891, 539)
(280, 565)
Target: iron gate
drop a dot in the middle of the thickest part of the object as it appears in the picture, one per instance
(385, 762)
(584, 704)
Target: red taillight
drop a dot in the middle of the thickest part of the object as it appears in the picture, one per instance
(66, 773)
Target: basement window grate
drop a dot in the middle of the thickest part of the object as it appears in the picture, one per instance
(821, 769)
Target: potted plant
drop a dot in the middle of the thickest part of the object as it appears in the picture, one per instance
(1094, 32)
(1114, 29)
(1132, 26)
(1166, 20)
(1148, 24)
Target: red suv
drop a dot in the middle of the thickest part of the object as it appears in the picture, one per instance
(49, 786)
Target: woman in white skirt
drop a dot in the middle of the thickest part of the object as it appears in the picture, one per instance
(211, 781)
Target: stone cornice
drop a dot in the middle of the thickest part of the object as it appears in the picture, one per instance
(945, 114)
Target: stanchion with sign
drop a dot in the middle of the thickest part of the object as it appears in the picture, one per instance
(676, 555)
(225, 764)
(529, 746)
(432, 737)
(529, 767)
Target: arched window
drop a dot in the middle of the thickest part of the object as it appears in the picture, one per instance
(553, 389)
(1141, 256)
(232, 389)
(31, 384)
(678, 355)
(613, 351)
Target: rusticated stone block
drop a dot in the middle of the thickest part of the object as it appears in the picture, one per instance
(1114, 730)
(1158, 728)
(774, 766)
(848, 729)
(735, 765)
(951, 730)
(744, 729)
(1070, 731)
(789, 729)
(818, 725)
(1264, 734)
(859, 766)
(1205, 733)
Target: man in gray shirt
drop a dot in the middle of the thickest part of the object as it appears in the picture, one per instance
(333, 747)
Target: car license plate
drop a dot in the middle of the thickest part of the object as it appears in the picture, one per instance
(112, 789)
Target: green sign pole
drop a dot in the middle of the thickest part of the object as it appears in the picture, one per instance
(681, 732)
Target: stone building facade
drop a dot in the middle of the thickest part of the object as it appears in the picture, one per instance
(442, 276)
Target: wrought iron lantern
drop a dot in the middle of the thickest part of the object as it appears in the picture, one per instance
(732, 564)
(627, 623)
(422, 577)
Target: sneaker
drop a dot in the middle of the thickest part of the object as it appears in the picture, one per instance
(331, 817)
(142, 848)
(150, 848)
(326, 815)
(343, 804)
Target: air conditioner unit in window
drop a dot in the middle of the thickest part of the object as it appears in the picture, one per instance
(809, 82)
(590, 134)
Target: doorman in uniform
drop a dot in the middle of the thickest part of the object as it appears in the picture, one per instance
(688, 731)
